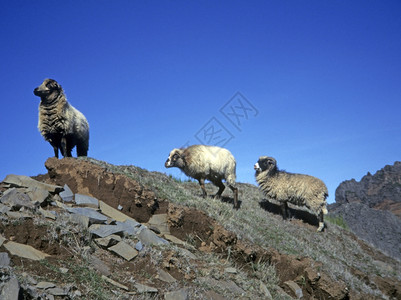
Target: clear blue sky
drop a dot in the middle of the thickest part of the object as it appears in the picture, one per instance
(320, 81)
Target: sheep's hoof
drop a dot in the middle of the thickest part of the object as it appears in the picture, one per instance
(321, 227)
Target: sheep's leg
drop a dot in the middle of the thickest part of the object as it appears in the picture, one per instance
(202, 185)
(55, 148)
(221, 187)
(235, 191)
(284, 210)
(321, 223)
(82, 150)
(65, 150)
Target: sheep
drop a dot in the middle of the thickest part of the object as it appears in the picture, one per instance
(63, 126)
(298, 189)
(206, 162)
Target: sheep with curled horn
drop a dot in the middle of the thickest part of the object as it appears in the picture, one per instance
(297, 189)
(203, 162)
(62, 125)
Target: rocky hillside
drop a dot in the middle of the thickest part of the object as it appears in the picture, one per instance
(372, 208)
(91, 230)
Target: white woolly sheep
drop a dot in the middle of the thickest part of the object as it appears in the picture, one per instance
(63, 126)
(298, 189)
(206, 162)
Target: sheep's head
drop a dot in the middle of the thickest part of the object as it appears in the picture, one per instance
(48, 90)
(175, 159)
(265, 163)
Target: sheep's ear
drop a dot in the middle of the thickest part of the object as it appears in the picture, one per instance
(53, 85)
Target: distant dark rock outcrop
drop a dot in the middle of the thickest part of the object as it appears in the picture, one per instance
(372, 208)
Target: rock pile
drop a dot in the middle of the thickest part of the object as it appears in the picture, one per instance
(24, 198)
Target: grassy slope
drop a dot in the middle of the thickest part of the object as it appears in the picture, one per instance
(336, 249)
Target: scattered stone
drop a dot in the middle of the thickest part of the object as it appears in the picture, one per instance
(112, 212)
(85, 200)
(131, 227)
(45, 285)
(294, 288)
(64, 270)
(106, 230)
(62, 205)
(173, 239)
(4, 208)
(141, 288)
(29, 279)
(265, 291)
(119, 207)
(181, 294)
(148, 237)
(25, 181)
(165, 276)
(231, 270)
(16, 199)
(188, 253)
(2, 240)
(160, 222)
(139, 246)
(124, 250)
(67, 195)
(57, 291)
(18, 215)
(154, 229)
(48, 214)
(94, 216)
(25, 251)
(11, 290)
(108, 241)
(79, 219)
(115, 283)
(38, 195)
(4, 259)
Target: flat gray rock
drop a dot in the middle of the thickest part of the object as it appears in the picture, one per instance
(25, 181)
(45, 285)
(141, 288)
(124, 250)
(67, 195)
(11, 290)
(165, 276)
(130, 226)
(106, 230)
(80, 219)
(108, 241)
(56, 291)
(16, 199)
(160, 222)
(94, 216)
(86, 200)
(4, 260)
(37, 194)
(25, 251)
(148, 237)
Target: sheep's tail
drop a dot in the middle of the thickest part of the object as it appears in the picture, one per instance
(324, 210)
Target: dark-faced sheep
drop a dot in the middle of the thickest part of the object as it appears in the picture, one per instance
(63, 126)
(206, 162)
(298, 189)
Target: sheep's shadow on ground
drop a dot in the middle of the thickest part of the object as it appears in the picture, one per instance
(230, 200)
(303, 215)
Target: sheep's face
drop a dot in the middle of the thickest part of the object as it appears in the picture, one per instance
(47, 88)
(264, 163)
(175, 159)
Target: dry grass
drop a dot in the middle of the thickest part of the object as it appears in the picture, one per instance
(335, 248)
